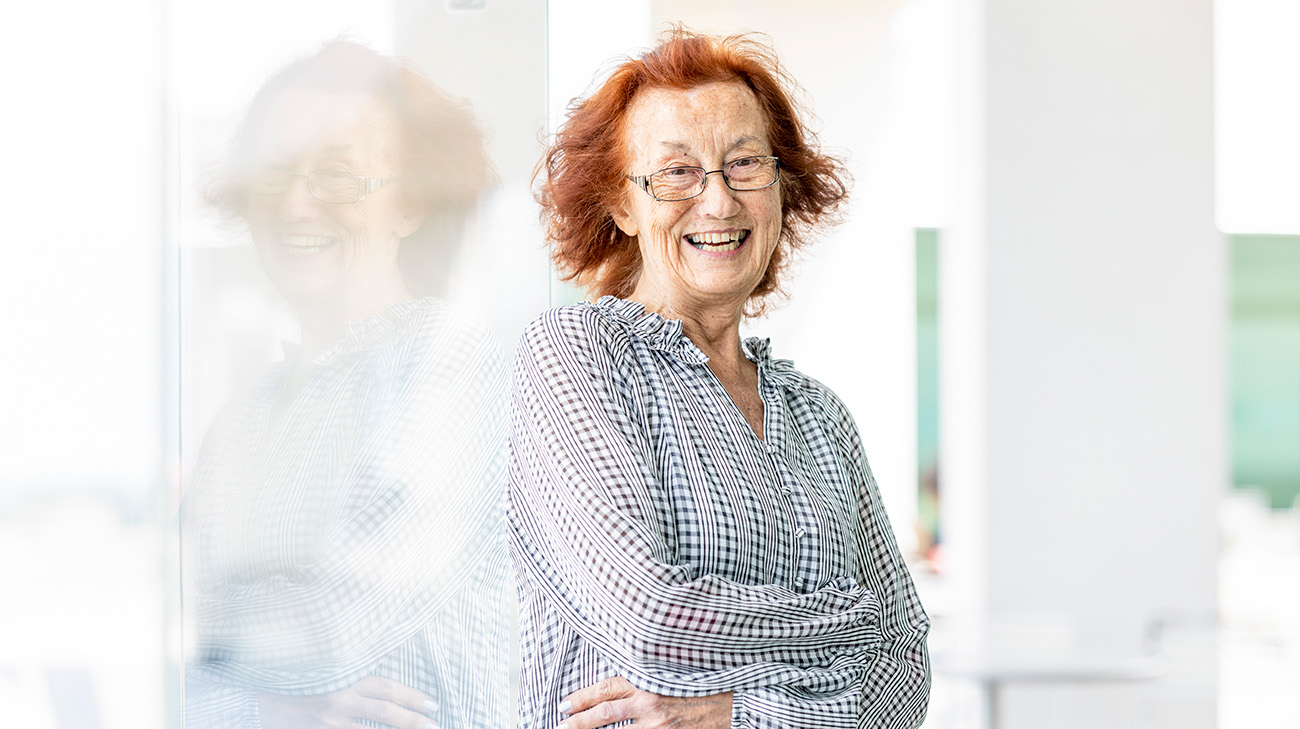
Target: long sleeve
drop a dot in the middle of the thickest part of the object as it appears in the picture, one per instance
(372, 540)
(590, 528)
(896, 689)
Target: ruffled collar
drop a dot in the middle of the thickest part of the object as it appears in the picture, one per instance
(781, 371)
(660, 333)
(666, 335)
(362, 334)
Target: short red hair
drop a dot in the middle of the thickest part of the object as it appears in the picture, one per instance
(585, 166)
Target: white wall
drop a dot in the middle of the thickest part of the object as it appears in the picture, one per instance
(1083, 321)
(1257, 111)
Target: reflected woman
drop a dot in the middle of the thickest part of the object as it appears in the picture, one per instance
(345, 558)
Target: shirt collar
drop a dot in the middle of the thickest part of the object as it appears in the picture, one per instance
(659, 333)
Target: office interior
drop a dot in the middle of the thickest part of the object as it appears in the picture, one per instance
(1063, 305)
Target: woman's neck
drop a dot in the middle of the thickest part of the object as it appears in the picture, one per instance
(323, 320)
(713, 327)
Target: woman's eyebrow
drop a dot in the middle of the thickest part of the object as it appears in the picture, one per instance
(678, 147)
(339, 152)
(684, 148)
(742, 141)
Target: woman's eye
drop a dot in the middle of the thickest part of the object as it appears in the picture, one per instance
(679, 171)
(744, 162)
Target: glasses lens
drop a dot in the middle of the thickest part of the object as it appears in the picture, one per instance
(750, 173)
(269, 181)
(677, 183)
(334, 186)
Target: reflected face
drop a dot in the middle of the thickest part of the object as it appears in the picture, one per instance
(711, 250)
(327, 253)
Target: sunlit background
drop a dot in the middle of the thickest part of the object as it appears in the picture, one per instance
(1064, 309)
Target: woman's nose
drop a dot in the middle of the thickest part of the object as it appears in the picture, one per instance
(718, 200)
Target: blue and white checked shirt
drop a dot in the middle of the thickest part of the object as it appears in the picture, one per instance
(656, 537)
(359, 534)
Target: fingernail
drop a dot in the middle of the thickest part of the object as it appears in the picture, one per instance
(562, 726)
(430, 706)
(565, 707)
(430, 725)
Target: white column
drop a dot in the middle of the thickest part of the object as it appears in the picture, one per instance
(1083, 311)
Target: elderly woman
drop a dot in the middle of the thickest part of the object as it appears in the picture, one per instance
(346, 561)
(696, 532)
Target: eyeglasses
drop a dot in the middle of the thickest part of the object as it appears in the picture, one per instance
(673, 184)
(331, 186)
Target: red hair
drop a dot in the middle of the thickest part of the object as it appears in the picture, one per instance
(585, 166)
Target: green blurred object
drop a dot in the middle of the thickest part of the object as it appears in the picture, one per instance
(1265, 362)
(927, 387)
(927, 348)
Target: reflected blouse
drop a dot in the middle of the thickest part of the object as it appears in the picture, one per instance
(656, 537)
(361, 532)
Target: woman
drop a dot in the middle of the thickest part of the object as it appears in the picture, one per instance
(346, 560)
(697, 537)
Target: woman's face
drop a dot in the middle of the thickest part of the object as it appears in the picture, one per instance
(339, 255)
(710, 251)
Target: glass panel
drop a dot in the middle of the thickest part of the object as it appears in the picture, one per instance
(81, 588)
(342, 345)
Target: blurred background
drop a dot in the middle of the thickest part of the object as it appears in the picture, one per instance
(1064, 309)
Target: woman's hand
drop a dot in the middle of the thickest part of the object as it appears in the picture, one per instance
(614, 699)
(377, 699)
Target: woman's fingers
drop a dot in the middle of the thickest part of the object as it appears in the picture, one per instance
(602, 714)
(390, 714)
(609, 689)
(614, 700)
(394, 692)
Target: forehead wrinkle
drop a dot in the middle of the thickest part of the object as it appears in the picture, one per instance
(683, 147)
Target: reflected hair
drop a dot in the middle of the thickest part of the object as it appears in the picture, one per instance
(582, 175)
(444, 165)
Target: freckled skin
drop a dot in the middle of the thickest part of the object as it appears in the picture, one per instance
(706, 126)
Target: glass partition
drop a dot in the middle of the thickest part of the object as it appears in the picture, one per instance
(353, 249)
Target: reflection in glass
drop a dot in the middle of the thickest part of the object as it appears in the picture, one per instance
(344, 560)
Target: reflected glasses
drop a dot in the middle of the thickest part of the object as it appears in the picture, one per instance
(683, 183)
(331, 186)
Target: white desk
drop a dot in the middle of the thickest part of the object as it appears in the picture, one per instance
(992, 673)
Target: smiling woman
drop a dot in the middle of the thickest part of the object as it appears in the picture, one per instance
(716, 245)
(342, 127)
(586, 167)
(345, 561)
(697, 535)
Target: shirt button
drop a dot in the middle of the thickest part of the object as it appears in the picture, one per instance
(787, 490)
(798, 534)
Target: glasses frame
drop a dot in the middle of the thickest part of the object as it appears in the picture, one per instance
(643, 181)
(367, 185)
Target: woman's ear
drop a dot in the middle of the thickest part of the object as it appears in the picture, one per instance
(623, 218)
(409, 221)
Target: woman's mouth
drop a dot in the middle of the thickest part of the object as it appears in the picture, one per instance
(307, 243)
(718, 242)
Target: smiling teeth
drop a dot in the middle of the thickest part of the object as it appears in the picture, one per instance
(306, 241)
(717, 242)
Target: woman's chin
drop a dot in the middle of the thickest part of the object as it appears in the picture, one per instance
(302, 287)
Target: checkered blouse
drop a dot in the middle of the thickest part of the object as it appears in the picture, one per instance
(359, 534)
(657, 538)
